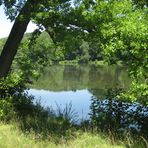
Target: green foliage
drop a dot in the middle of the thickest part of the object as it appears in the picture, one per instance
(34, 54)
(12, 7)
(2, 42)
(137, 93)
(26, 67)
(11, 88)
(120, 32)
(112, 114)
(6, 109)
(11, 85)
(90, 30)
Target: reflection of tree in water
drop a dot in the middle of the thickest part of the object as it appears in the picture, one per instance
(73, 73)
(107, 77)
(70, 77)
(73, 77)
(112, 114)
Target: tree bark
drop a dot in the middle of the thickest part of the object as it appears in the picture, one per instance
(10, 48)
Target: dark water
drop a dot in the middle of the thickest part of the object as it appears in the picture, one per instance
(61, 85)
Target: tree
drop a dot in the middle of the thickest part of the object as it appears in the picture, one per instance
(15, 37)
(121, 34)
(117, 28)
(25, 11)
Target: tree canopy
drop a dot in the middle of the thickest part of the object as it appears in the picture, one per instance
(117, 29)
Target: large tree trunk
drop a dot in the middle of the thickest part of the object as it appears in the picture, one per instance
(10, 48)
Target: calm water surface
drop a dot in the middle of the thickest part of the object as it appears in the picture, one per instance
(61, 85)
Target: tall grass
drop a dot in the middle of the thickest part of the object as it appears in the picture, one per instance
(35, 127)
(12, 137)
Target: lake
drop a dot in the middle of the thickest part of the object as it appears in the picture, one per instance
(60, 85)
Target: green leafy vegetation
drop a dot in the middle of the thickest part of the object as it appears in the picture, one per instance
(37, 127)
(86, 31)
(12, 136)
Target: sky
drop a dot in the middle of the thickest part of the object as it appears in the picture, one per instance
(6, 25)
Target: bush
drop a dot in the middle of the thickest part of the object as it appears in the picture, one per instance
(6, 109)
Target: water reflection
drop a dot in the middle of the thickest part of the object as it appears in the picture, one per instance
(80, 100)
(64, 78)
(77, 84)
(86, 88)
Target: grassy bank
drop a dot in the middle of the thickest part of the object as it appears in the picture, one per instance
(34, 127)
(96, 63)
(12, 136)
(76, 62)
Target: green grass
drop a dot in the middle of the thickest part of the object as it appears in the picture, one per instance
(12, 137)
(34, 127)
